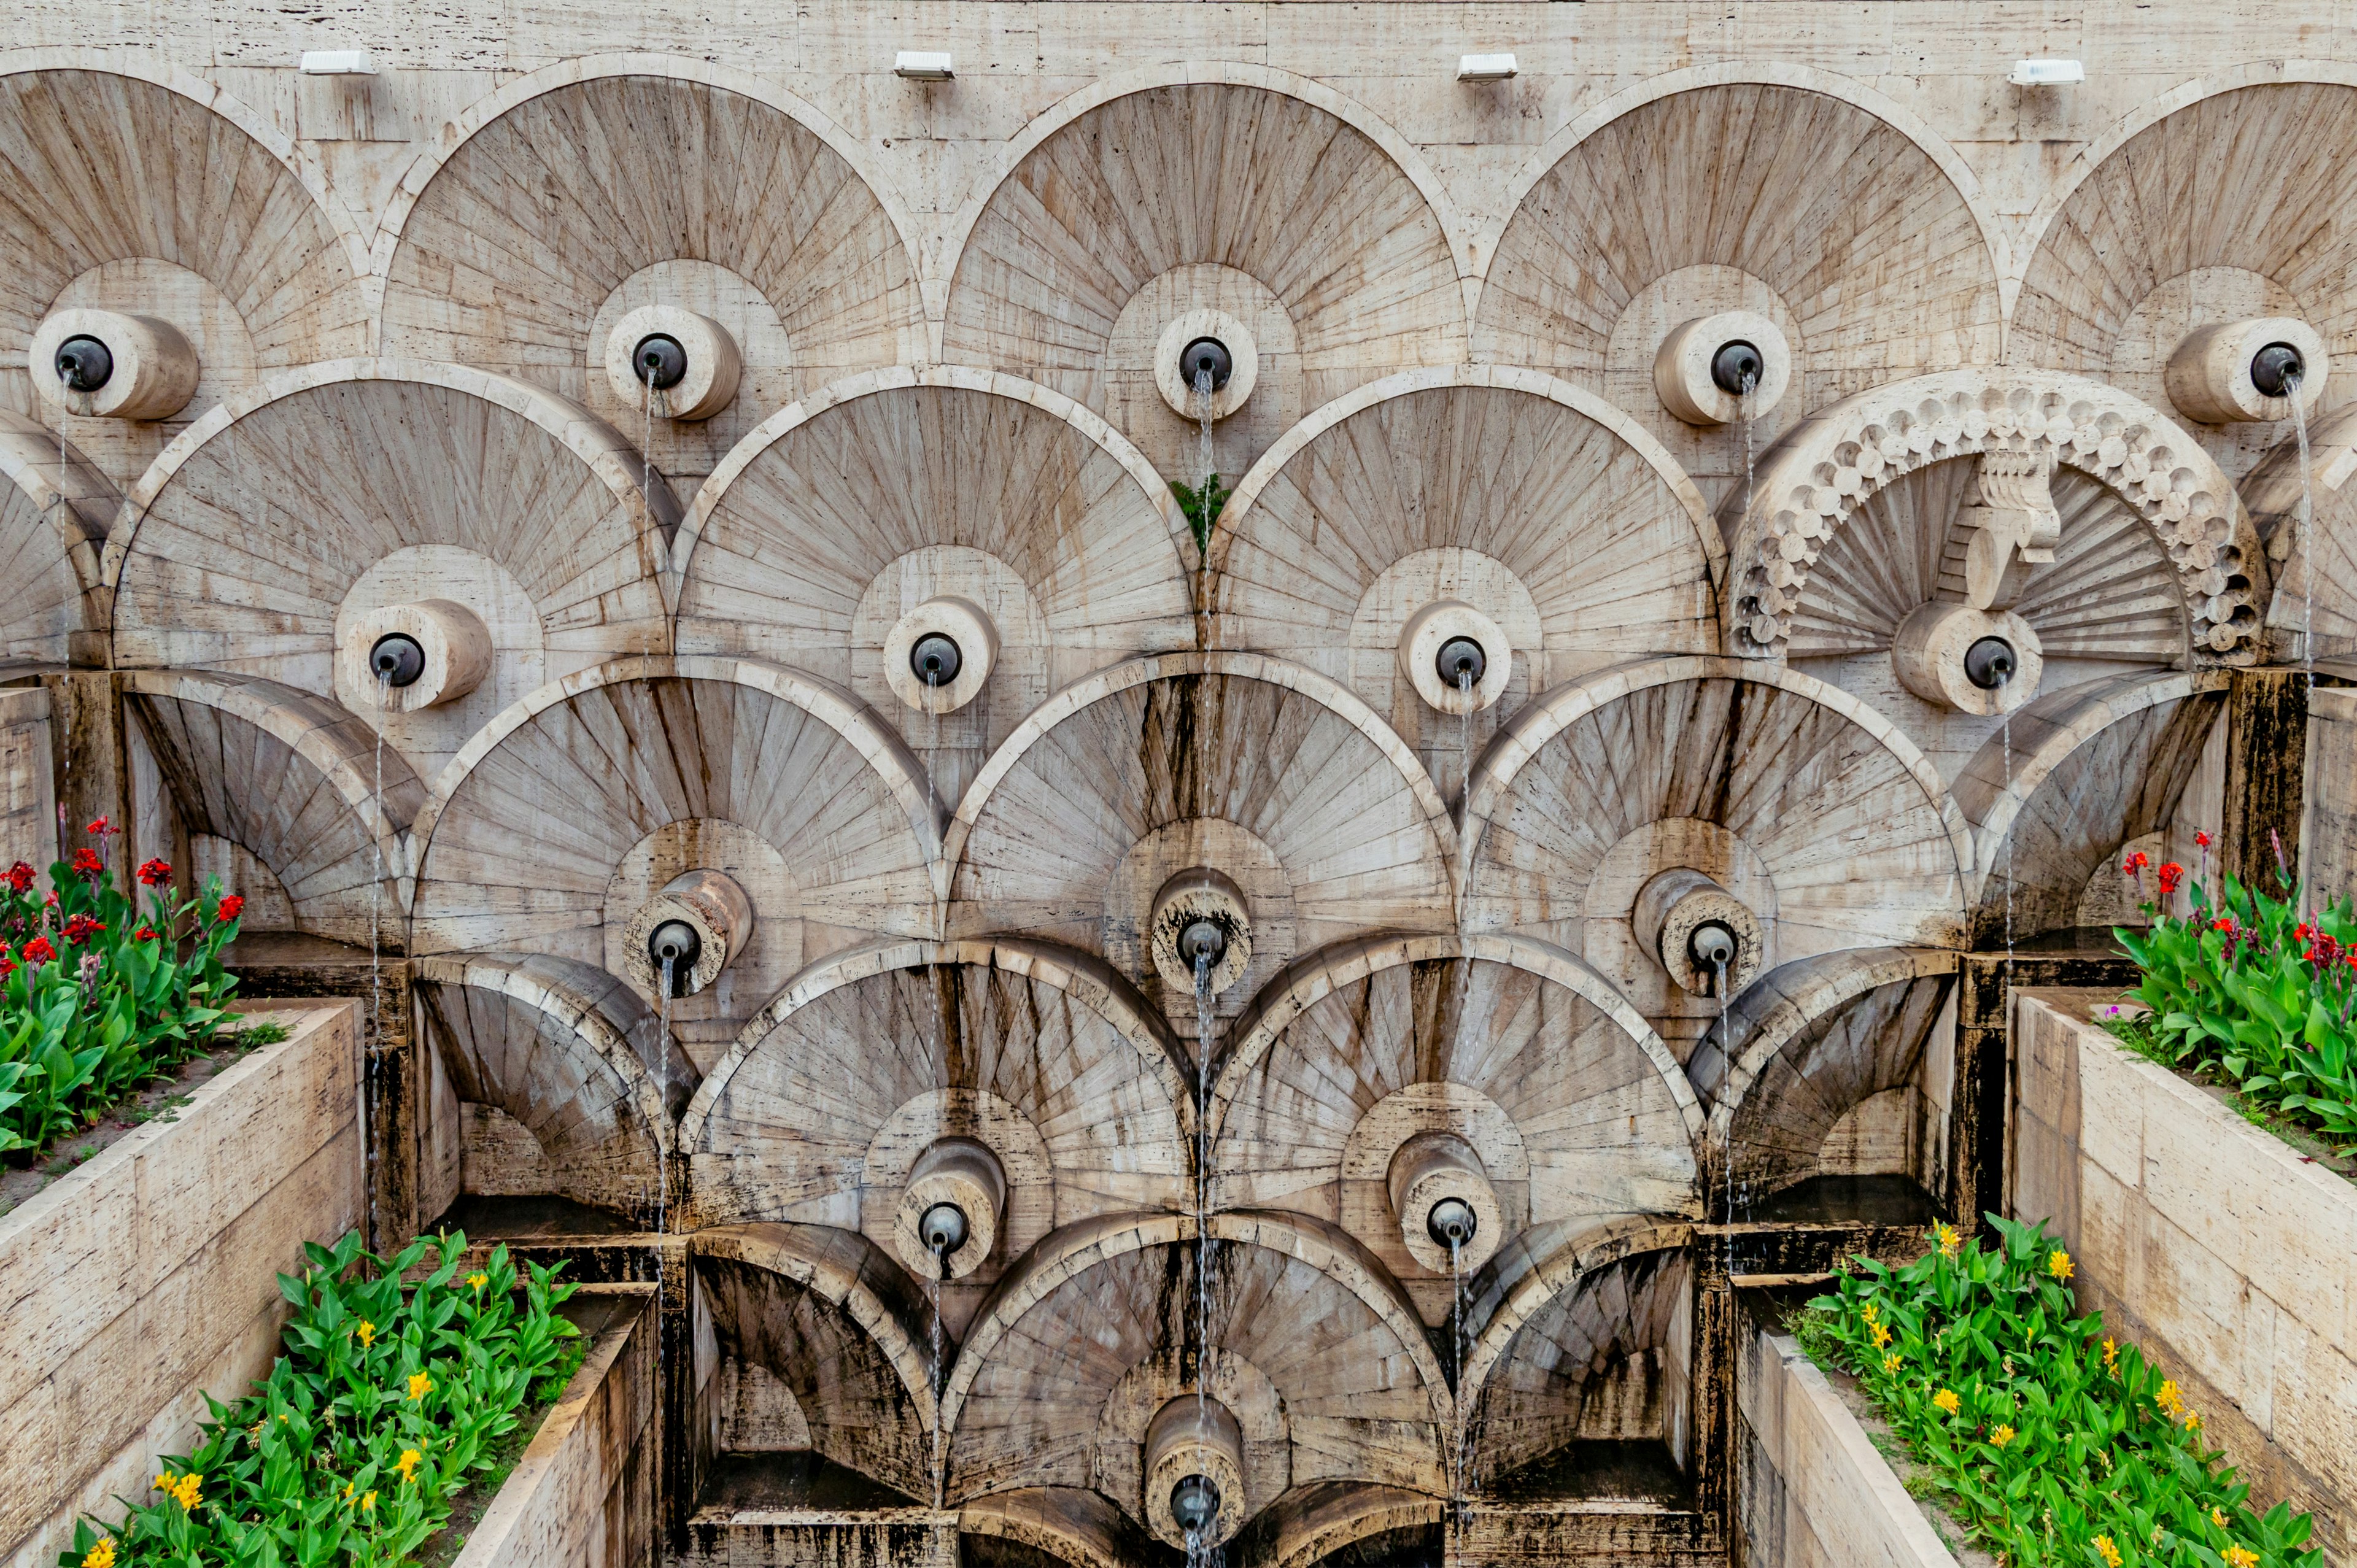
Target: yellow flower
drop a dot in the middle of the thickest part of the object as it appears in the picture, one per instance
(2111, 1354)
(347, 1491)
(368, 1502)
(2110, 1553)
(478, 1281)
(367, 1332)
(2002, 1436)
(1881, 1334)
(407, 1464)
(165, 1482)
(1890, 1362)
(1871, 1312)
(2192, 1422)
(189, 1492)
(420, 1385)
(1947, 1401)
(2058, 1263)
(2168, 1399)
(102, 1555)
(2240, 1557)
(2218, 1518)
(1950, 1241)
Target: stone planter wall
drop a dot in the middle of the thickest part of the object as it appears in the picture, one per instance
(2208, 1241)
(146, 1279)
(583, 1495)
(1812, 1489)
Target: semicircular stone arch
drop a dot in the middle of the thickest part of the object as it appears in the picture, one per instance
(1043, 1055)
(1795, 1056)
(556, 824)
(1788, 792)
(1384, 1038)
(840, 516)
(53, 521)
(2227, 207)
(2093, 767)
(573, 1059)
(1531, 500)
(1224, 195)
(652, 181)
(259, 540)
(1101, 1322)
(823, 1320)
(1592, 1341)
(1769, 197)
(295, 782)
(1815, 481)
(1266, 773)
(185, 206)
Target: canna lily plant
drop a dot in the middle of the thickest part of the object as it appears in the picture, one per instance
(97, 993)
(2245, 987)
(2052, 1441)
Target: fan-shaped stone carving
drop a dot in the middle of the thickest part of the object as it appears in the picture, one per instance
(1803, 1049)
(2305, 518)
(832, 1318)
(844, 514)
(1046, 1057)
(553, 826)
(185, 206)
(575, 1059)
(1226, 196)
(2224, 210)
(1534, 501)
(575, 198)
(53, 518)
(2092, 767)
(1788, 792)
(1096, 1330)
(1601, 1312)
(1818, 478)
(291, 778)
(1799, 205)
(1578, 1112)
(273, 525)
(1273, 776)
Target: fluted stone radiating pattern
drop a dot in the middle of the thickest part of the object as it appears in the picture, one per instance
(53, 518)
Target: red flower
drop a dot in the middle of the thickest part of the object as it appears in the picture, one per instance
(155, 873)
(86, 862)
(2303, 931)
(2170, 875)
(80, 928)
(7, 966)
(230, 908)
(2201, 841)
(38, 951)
(2225, 923)
(2135, 863)
(143, 934)
(100, 828)
(21, 878)
(49, 899)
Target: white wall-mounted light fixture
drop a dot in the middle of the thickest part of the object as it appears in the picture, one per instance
(1484, 67)
(2047, 73)
(337, 62)
(920, 65)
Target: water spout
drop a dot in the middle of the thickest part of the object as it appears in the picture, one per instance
(675, 946)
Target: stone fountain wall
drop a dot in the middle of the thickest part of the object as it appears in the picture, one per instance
(930, 332)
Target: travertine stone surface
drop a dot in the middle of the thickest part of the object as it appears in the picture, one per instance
(955, 308)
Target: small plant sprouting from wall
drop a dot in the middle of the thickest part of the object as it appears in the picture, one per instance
(389, 1400)
(2050, 1441)
(1201, 507)
(98, 995)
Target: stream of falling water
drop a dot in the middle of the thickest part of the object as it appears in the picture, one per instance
(1459, 1489)
(662, 1176)
(1465, 735)
(2307, 571)
(933, 1290)
(1727, 1139)
(1197, 1554)
(369, 1042)
(1205, 464)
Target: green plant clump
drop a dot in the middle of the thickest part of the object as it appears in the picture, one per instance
(2245, 988)
(389, 1397)
(2051, 1443)
(1201, 507)
(97, 996)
